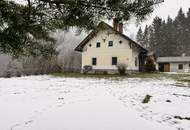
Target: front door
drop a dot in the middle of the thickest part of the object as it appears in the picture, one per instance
(167, 67)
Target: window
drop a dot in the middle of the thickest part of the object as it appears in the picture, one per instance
(90, 45)
(110, 43)
(98, 45)
(120, 42)
(180, 66)
(136, 61)
(189, 65)
(114, 60)
(94, 61)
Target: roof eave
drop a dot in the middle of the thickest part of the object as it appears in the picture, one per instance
(77, 49)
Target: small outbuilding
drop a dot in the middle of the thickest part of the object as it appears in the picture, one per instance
(179, 64)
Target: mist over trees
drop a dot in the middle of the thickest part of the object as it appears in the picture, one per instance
(169, 37)
(66, 59)
(67, 41)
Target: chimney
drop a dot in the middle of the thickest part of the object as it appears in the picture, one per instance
(115, 24)
(120, 27)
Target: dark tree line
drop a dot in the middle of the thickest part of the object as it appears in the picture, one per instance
(167, 37)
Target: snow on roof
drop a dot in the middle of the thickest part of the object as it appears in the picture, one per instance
(173, 59)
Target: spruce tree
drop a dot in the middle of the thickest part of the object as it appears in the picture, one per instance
(139, 36)
(156, 38)
(146, 37)
(188, 33)
(170, 37)
(180, 32)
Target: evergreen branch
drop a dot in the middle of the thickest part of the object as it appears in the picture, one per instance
(89, 5)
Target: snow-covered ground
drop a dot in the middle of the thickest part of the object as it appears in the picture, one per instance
(49, 103)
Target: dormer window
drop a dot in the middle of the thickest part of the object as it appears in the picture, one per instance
(98, 45)
(110, 43)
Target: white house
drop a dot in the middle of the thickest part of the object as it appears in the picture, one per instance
(106, 47)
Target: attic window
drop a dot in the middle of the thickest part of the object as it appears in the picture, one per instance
(98, 45)
(120, 42)
(110, 43)
(90, 45)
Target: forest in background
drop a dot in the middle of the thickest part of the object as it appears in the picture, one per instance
(65, 58)
(169, 37)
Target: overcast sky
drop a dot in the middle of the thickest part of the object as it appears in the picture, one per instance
(168, 7)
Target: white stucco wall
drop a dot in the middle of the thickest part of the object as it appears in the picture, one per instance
(104, 54)
(174, 67)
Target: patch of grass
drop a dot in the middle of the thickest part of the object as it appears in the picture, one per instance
(80, 75)
(147, 75)
(156, 75)
(146, 99)
(184, 80)
(104, 75)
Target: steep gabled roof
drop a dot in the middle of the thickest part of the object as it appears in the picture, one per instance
(103, 25)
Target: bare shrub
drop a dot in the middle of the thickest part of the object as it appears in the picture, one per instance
(150, 66)
(7, 74)
(12, 70)
(40, 65)
(122, 69)
(87, 68)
